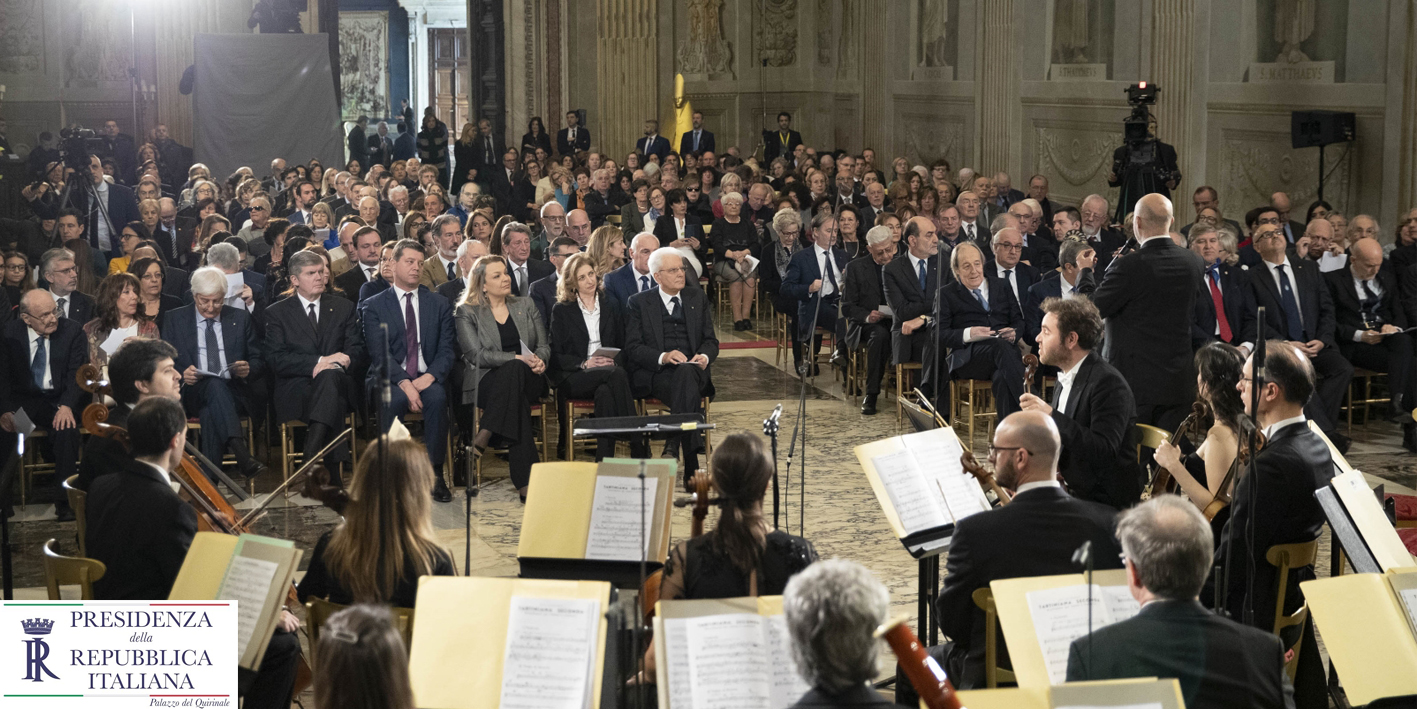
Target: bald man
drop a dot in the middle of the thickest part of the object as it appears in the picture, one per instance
(1370, 321)
(912, 284)
(1147, 299)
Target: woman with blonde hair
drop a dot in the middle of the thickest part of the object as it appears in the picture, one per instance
(730, 183)
(116, 314)
(465, 157)
(363, 662)
(606, 249)
(386, 541)
(583, 322)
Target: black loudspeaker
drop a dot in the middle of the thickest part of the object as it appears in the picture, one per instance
(1310, 129)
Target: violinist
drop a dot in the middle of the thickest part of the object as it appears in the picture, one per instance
(1216, 462)
(141, 530)
(1092, 406)
(141, 369)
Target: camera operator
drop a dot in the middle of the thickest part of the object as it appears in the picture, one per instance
(1143, 164)
(105, 207)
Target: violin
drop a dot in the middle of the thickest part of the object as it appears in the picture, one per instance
(1222, 497)
(1161, 480)
(924, 673)
(700, 499)
(1030, 371)
(984, 476)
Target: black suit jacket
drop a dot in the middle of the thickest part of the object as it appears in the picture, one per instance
(1099, 446)
(1051, 286)
(773, 146)
(140, 529)
(352, 280)
(293, 347)
(1147, 299)
(863, 290)
(644, 334)
(686, 142)
(543, 295)
(1293, 464)
(68, 349)
(1219, 663)
(564, 146)
(860, 696)
(907, 300)
(962, 311)
(452, 290)
(536, 270)
(1035, 535)
(238, 338)
(1348, 311)
(358, 147)
(1239, 299)
(1108, 240)
(598, 207)
(570, 339)
(80, 308)
(1315, 304)
(802, 270)
(1025, 274)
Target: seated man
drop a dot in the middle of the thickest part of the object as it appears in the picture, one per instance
(141, 369)
(441, 267)
(219, 340)
(813, 275)
(1225, 307)
(43, 353)
(832, 609)
(141, 530)
(670, 344)
(1168, 547)
(366, 241)
(1092, 406)
(868, 318)
(982, 323)
(634, 277)
(1034, 535)
(912, 284)
(315, 349)
(468, 252)
(227, 257)
(1370, 321)
(417, 351)
(543, 291)
(1074, 277)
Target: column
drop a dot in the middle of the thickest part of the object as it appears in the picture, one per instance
(875, 66)
(627, 41)
(1407, 155)
(998, 109)
(1173, 58)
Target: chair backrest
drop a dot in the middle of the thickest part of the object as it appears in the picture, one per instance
(1286, 557)
(993, 674)
(60, 570)
(78, 500)
(319, 610)
(1150, 437)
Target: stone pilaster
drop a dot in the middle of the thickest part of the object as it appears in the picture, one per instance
(1407, 155)
(1173, 61)
(874, 71)
(996, 147)
(627, 37)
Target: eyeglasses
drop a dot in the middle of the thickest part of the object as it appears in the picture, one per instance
(994, 450)
(1009, 247)
(43, 316)
(257, 208)
(676, 269)
(1274, 221)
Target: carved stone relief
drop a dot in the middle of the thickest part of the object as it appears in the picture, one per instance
(777, 32)
(1075, 159)
(705, 51)
(1255, 164)
(1300, 41)
(364, 60)
(99, 43)
(21, 36)
(930, 136)
(824, 32)
(849, 39)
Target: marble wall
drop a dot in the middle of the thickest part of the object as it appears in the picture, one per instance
(1036, 86)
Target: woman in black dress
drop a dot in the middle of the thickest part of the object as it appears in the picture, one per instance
(151, 273)
(734, 240)
(536, 137)
(386, 541)
(464, 157)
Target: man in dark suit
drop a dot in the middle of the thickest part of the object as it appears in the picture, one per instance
(221, 365)
(601, 200)
(304, 200)
(780, 143)
(1004, 193)
(43, 352)
(652, 143)
(573, 138)
(1103, 237)
(1005, 263)
(543, 290)
(488, 148)
(1034, 535)
(173, 234)
(1147, 299)
(845, 194)
(697, 140)
(1280, 203)
(1092, 406)
(868, 319)
(367, 241)
(381, 146)
(142, 368)
(670, 345)
(634, 277)
(1039, 248)
(912, 284)
(972, 225)
(468, 253)
(523, 269)
(982, 322)
(405, 146)
(1225, 308)
(315, 348)
(814, 281)
(1218, 662)
(1370, 321)
(359, 143)
(119, 208)
(418, 351)
(1299, 309)
(1073, 278)
(58, 269)
(1293, 464)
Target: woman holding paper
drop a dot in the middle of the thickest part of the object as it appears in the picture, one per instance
(117, 319)
(386, 541)
(734, 241)
(504, 348)
(587, 332)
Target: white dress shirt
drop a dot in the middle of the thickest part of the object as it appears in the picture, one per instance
(1011, 278)
(166, 476)
(969, 229)
(1293, 283)
(1270, 430)
(519, 275)
(592, 324)
(1035, 485)
(49, 356)
(639, 282)
(220, 343)
(1065, 385)
(305, 306)
(64, 302)
(822, 255)
(422, 366)
(101, 227)
(444, 263)
(983, 290)
(1358, 288)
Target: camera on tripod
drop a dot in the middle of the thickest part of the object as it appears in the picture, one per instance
(1135, 129)
(77, 144)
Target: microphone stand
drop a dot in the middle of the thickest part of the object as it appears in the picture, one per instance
(1084, 556)
(936, 376)
(770, 429)
(800, 430)
(638, 616)
(469, 490)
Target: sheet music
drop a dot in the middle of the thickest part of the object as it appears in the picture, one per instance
(916, 504)
(937, 452)
(1060, 617)
(786, 685)
(727, 659)
(550, 653)
(1118, 602)
(248, 582)
(615, 518)
(676, 653)
(1408, 597)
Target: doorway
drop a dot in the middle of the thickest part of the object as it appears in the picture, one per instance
(448, 76)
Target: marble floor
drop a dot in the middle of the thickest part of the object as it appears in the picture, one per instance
(837, 510)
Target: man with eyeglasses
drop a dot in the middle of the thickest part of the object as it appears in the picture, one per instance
(1035, 535)
(43, 353)
(553, 226)
(1254, 219)
(58, 268)
(1007, 264)
(260, 215)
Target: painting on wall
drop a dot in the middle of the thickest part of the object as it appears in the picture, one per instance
(1299, 41)
(98, 43)
(21, 36)
(363, 64)
(1081, 40)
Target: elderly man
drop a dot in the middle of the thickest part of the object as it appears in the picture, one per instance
(972, 224)
(439, 267)
(1005, 262)
(1363, 227)
(1072, 279)
(221, 364)
(814, 281)
(1038, 191)
(553, 226)
(468, 252)
(543, 290)
(832, 609)
(868, 317)
(634, 277)
(398, 199)
(600, 200)
(58, 269)
(524, 270)
(1040, 247)
(369, 212)
(1004, 193)
(250, 295)
(846, 192)
(1103, 237)
(254, 233)
(1206, 197)
(366, 241)
(1167, 546)
(982, 322)
(1292, 230)
(670, 344)
(1320, 234)
(912, 287)
(1225, 310)
(173, 234)
(578, 227)
(417, 346)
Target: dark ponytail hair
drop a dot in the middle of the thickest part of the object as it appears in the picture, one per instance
(742, 470)
(1221, 366)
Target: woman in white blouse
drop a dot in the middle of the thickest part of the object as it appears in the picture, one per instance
(587, 335)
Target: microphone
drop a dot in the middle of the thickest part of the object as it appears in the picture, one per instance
(1083, 555)
(776, 414)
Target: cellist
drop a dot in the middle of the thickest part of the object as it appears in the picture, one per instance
(141, 529)
(142, 368)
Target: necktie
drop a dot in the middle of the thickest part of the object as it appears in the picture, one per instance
(1221, 319)
(488, 149)
(969, 231)
(921, 274)
(831, 275)
(674, 308)
(410, 336)
(314, 321)
(1009, 278)
(1290, 304)
(368, 273)
(696, 141)
(644, 283)
(213, 349)
(37, 364)
(1370, 306)
(452, 274)
(979, 296)
(521, 278)
(64, 307)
